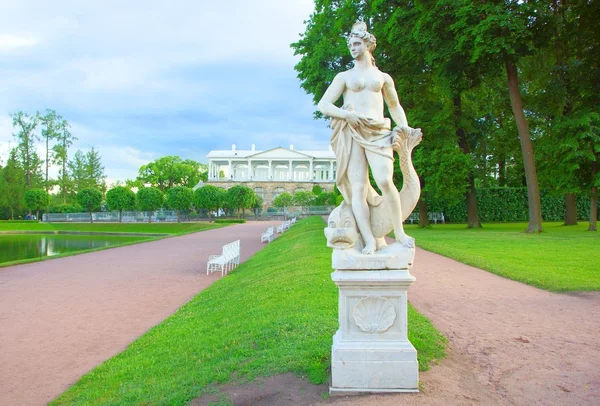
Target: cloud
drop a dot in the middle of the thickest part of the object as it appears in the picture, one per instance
(140, 80)
(10, 42)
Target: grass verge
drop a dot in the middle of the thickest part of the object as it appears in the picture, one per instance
(276, 313)
(562, 258)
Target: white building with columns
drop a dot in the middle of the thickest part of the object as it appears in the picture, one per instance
(273, 171)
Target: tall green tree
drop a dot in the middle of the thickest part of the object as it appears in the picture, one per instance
(91, 199)
(50, 131)
(26, 138)
(170, 171)
(61, 157)
(498, 34)
(95, 170)
(180, 198)
(37, 199)
(120, 198)
(13, 179)
(150, 199)
(241, 198)
(303, 198)
(209, 198)
(283, 200)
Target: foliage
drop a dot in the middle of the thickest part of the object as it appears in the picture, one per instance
(274, 314)
(13, 184)
(180, 198)
(120, 198)
(87, 171)
(240, 197)
(66, 208)
(303, 198)
(209, 197)
(230, 221)
(60, 150)
(510, 204)
(26, 153)
(37, 199)
(150, 199)
(560, 259)
(170, 171)
(283, 200)
(90, 198)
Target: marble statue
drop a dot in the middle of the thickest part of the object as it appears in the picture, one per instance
(363, 136)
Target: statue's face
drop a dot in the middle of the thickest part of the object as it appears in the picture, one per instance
(358, 47)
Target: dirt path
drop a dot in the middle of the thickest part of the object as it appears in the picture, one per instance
(510, 344)
(60, 318)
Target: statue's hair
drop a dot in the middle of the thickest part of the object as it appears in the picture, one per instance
(359, 30)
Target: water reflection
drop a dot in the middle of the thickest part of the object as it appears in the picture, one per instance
(15, 247)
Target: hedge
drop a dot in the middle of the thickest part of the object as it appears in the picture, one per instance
(510, 204)
(230, 221)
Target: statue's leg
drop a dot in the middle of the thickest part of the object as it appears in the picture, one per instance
(383, 172)
(358, 176)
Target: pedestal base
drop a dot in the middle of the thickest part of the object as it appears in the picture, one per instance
(371, 351)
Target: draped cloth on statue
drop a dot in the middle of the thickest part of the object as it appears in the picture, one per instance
(373, 136)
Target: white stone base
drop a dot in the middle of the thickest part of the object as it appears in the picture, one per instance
(371, 351)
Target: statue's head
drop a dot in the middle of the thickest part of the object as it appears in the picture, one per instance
(359, 30)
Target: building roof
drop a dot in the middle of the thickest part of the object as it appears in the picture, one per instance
(273, 153)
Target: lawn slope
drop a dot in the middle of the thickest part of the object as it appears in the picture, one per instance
(276, 313)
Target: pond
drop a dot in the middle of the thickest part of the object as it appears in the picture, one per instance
(25, 246)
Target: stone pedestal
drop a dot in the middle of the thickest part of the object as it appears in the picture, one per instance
(371, 351)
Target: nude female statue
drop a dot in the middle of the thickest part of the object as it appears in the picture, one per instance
(362, 136)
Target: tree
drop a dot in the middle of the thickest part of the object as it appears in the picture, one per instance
(170, 171)
(87, 171)
(94, 170)
(240, 197)
(150, 199)
(37, 199)
(303, 199)
(180, 198)
(26, 137)
(283, 200)
(13, 179)
(120, 198)
(209, 198)
(257, 205)
(91, 199)
(499, 34)
(50, 123)
(64, 141)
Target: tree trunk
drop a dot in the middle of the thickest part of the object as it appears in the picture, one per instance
(423, 218)
(120, 216)
(64, 181)
(91, 217)
(470, 196)
(594, 200)
(149, 217)
(533, 192)
(37, 214)
(570, 209)
(179, 216)
(47, 164)
(12, 213)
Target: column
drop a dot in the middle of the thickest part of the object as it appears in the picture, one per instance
(270, 170)
(230, 170)
(290, 170)
(249, 169)
(310, 171)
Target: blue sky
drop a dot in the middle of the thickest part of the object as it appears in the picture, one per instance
(140, 80)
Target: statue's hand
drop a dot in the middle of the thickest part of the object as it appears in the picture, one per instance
(355, 119)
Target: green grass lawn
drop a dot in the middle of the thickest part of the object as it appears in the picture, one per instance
(559, 259)
(276, 313)
(165, 228)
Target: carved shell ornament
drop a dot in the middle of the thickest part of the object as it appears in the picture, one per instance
(374, 314)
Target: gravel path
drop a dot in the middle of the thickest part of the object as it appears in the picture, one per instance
(60, 318)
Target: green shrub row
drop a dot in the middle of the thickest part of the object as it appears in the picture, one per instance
(240, 221)
(510, 204)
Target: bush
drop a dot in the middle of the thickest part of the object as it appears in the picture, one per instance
(16, 221)
(510, 204)
(225, 221)
(66, 208)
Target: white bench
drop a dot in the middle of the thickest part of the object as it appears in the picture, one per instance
(280, 228)
(227, 260)
(293, 221)
(268, 235)
(435, 217)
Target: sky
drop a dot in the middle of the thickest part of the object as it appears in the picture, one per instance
(138, 80)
